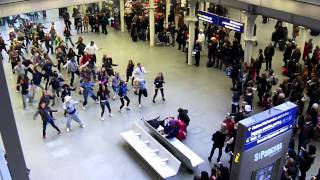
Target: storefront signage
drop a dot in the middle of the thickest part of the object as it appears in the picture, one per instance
(221, 21)
(269, 128)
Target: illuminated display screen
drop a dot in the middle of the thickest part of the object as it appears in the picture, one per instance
(221, 21)
(269, 128)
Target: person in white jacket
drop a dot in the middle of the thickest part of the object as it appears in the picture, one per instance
(201, 38)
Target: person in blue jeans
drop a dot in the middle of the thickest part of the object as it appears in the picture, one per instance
(44, 111)
(72, 113)
(86, 88)
(122, 92)
(142, 90)
(115, 84)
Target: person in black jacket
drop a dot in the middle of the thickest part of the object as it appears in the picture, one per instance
(262, 87)
(306, 159)
(218, 139)
(197, 49)
(287, 53)
(158, 82)
(183, 116)
(268, 54)
(129, 71)
(44, 111)
(259, 62)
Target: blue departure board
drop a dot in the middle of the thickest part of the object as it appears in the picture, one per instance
(269, 126)
(221, 21)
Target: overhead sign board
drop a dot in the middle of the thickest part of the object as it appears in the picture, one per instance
(262, 143)
(221, 21)
(271, 127)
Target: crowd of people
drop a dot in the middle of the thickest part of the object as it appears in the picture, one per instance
(300, 86)
(41, 59)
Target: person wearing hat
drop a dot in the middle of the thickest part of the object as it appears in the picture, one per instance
(72, 114)
(218, 139)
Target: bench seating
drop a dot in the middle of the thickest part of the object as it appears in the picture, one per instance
(159, 158)
(187, 157)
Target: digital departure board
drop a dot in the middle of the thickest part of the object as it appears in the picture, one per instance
(269, 127)
(221, 21)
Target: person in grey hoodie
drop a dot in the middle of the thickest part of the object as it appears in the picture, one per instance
(20, 69)
(73, 67)
(72, 114)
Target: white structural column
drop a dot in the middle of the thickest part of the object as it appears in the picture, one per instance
(249, 39)
(122, 22)
(302, 38)
(151, 22)
(100, 5)
(191, 20)
(168, 8)
(201, 4)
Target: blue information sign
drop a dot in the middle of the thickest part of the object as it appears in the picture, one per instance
(264, 127)
(221, 21)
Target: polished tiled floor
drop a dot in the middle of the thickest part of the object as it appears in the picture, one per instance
(97, 152)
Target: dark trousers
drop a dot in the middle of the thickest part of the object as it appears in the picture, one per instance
(49, 47)
(122, 101)
(59, 64)
(268, 64)
(85, 97)
(104, 29)
(234, 108)
(44, 127)
(142, 92)
(212, 152)
(72, 77)
(197, 58)
(128, 77)
(156, 93)
(103, 107)
(68, 24)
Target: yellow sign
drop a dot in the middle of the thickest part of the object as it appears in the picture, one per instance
(237, 158)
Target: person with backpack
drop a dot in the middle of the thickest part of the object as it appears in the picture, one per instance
(71, 112)
(44, 110)
(218, 138)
